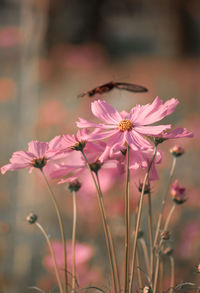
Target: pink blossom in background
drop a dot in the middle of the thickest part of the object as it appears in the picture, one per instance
(178, 193)
(129, 128)
(84, 253)
(38, 153)
(10, 37)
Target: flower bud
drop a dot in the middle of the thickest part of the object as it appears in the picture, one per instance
(178, 193)
(147, 289)
(31, 218)
(177, 151)
(168, 251)
(96, 166)
(147, 188)
(74, 185)
(165, 235)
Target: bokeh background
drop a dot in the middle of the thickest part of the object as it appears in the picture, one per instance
(52, 50)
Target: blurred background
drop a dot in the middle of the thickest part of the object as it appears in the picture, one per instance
(51, 51)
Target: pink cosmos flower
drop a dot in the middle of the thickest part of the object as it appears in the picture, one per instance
(73, 167)
(37, 156)
(129, 128)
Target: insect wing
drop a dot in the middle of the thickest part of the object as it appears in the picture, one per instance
(131, 87)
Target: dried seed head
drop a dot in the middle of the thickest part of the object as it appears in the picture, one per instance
(31, 218)
(125, 124)
(75, 185)
(177, 151)
(165, 235)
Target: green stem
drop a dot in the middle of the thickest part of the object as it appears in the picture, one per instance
(105, 225)
(127, 222)
(52, 255)
(139, 218)
(61, 230)
(74, 242)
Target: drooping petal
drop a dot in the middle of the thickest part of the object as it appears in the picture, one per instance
(12, 167)
(105, 112)
(177, 133)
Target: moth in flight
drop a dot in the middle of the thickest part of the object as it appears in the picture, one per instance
(107, 87)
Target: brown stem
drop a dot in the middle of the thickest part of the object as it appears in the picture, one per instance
(164, 201)
(105, 225)
(172, 282)
(111, 242)
(127, 223)
(146, 256)
(61, 230)
(169, 217)
(150, 236)
(139, 270)
(74, 242)
(139, 218)
(52, 255)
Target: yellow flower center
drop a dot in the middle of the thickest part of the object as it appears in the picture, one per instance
(125, 124)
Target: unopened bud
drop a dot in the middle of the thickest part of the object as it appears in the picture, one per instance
(177, 151)
(147, 188)
(165, 235)
(168, 251)
(147, 289)
(74, 185)
(31, 218)
(178, 193)
(96, 166)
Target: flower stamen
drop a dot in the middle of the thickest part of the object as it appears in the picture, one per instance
(125, 124)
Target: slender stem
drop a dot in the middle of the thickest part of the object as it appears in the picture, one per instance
(160, 244)
(172, 282)
(139, 218)
(150, 236)
(146, 256)
(105, 225)
(161, 271)
(164, 201)
(52, 255)
(169, 217)
(139, 270)
(74, 242)
(156, 273)
(61, 230)
(111, 241)
(127, 223)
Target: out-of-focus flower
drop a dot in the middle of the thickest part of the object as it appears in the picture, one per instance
(37, 156)
(83, 254)
(74, 185)
(177, 151)
(178, 193)
(9, 37)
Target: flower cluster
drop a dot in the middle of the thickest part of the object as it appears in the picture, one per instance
(64, 157)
